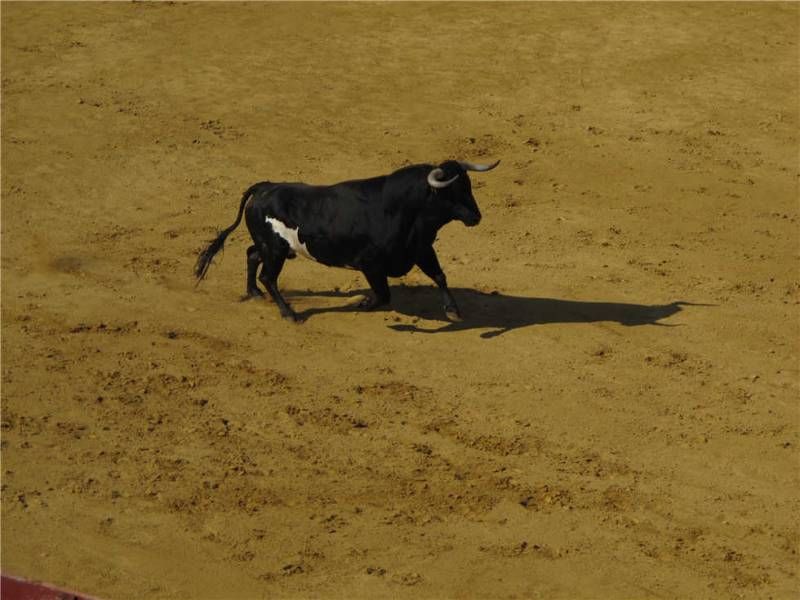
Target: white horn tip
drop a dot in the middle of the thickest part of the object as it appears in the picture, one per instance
(468, 166)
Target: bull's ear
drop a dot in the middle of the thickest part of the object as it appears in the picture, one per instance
(435, 179)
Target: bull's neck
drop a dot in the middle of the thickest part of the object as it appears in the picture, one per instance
(427, 225)
(421, 216)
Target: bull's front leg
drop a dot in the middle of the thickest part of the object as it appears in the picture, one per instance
(380, 286)
(429, 264)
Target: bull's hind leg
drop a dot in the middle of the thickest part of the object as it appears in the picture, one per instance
(273, 256)
(253, 260)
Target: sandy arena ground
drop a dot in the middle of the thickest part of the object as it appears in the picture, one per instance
(582, 434)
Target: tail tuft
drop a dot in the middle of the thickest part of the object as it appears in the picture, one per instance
(206, 257)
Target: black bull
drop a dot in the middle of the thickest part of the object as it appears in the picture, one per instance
(381, 226)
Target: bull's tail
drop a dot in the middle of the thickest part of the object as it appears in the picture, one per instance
(207, 255)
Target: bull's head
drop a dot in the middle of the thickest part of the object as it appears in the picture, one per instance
(454, 190)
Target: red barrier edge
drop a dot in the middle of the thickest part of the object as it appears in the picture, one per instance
(15, 588)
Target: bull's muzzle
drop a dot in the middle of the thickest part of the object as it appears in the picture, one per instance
(471, 220)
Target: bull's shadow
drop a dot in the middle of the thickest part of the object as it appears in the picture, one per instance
(500, 313)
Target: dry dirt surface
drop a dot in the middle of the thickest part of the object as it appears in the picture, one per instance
(617, 416)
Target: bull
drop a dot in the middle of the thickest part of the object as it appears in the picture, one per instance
(381, 226)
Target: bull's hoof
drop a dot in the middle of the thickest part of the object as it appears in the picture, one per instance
(292, 317)
(453, 314)
(250, 294)
(371, 303)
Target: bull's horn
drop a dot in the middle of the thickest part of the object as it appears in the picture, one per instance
(434, 182)
(474, 167)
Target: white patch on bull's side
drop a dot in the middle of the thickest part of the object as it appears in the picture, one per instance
(291, 237)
